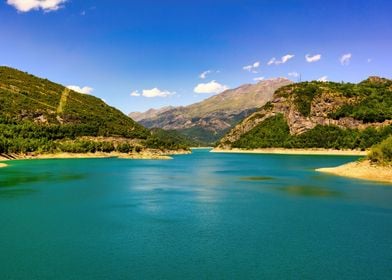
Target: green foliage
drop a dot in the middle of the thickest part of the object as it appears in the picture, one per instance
(382, 153)
(274, 132)
(26, 98)
(173, 138)
(303, 97)
(371, 100)
(375, 106)
(31, 122)
(201, 136)
(374, 100)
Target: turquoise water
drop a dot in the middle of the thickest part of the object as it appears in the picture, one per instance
(199, 216)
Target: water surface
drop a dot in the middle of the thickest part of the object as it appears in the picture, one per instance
(199, 216)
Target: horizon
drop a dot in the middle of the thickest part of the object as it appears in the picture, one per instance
(138, 56)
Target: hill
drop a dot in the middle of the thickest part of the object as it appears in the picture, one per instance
(37, 115)
(208, 120)
(319, 115)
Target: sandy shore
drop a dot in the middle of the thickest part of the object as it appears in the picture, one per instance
(2, 165)
(151, 154)
(361, 170)
(294, 151)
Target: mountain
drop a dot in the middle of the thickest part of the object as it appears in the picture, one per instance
(319, 115)
(151, 113)
(39, 115)
(209, 119)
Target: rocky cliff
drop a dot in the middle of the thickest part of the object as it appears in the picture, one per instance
(305, 106)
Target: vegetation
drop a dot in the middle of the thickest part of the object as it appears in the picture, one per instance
(382, 153)
(171, 139)
(371, 99)
(37, 115)
(274, 132)
(201, 136)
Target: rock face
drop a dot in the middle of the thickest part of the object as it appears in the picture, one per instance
(325, 102)
(209, 119)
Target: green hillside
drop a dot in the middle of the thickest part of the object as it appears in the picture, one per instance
(39, 115)
(319, 115)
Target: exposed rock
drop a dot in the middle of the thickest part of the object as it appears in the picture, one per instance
(323, 104)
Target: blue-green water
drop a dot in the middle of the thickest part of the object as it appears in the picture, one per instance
(199, 216)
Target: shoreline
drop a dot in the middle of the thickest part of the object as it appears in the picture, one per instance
(148, 155)
(364, 170)
(283, 151)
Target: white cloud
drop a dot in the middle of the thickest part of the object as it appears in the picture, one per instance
(253, 67)
(312, 58)
(211, 87)
(84, 90)
(271, 61)
(204, 74)
(135, 93)
(28, 5)
(345, 59)
(323, 79)
(283, 59)
(156, 92)
(294, 74)
(258, 79)
(287, 57)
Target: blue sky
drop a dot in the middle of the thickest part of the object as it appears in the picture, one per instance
(157, 50)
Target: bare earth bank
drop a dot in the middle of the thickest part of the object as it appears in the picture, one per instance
(147, 154)
(361, 170)
(294, 151)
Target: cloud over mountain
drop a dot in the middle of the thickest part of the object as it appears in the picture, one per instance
(211, 87)
(85, 90)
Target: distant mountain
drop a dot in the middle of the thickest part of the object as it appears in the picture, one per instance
(151, 113)
(211, 118)
(319, 115)
(39, 115)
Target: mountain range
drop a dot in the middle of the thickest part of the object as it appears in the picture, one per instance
(207, 121)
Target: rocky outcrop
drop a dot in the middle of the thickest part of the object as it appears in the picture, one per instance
(323, 104)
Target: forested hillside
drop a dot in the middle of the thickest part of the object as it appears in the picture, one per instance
(319, 115)
(39, 115)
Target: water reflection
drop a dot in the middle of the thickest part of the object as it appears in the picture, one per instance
(18, 178)
(256, 178)
(313, 191)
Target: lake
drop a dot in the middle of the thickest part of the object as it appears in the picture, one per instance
(199, 216)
